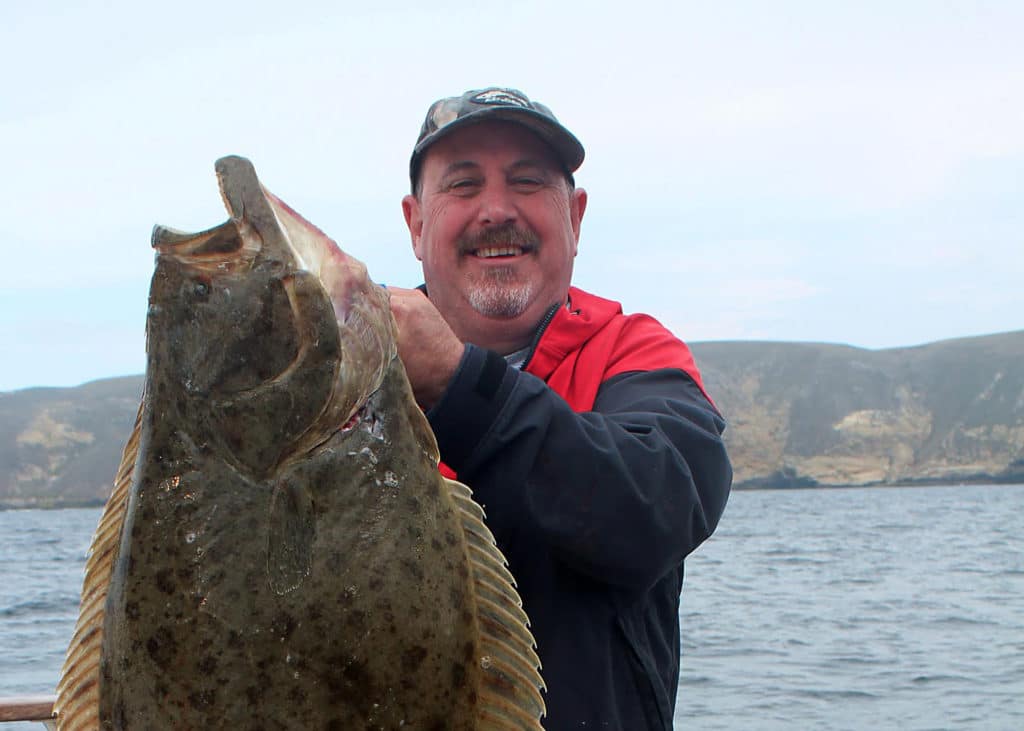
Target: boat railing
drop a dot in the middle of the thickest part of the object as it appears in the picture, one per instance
(29, 708)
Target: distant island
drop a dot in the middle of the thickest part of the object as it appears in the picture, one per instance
(800, 415)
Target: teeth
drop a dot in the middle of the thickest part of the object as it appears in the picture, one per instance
(498, 251)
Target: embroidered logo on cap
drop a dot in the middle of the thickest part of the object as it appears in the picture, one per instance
(507, 97)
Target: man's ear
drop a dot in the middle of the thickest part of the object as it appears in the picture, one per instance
(577, 207)
(414, 220)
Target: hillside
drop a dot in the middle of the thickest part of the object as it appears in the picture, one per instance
(61, 446)
(800, 414)
(811, 414)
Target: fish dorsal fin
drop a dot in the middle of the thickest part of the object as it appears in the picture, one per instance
(510, 691)
(78, 690)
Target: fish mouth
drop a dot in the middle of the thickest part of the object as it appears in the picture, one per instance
(220, 249)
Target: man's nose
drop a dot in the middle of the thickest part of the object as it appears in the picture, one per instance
(497, 206)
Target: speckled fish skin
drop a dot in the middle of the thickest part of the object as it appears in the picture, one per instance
(290, 558)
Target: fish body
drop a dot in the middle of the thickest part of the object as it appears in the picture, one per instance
(280, 551)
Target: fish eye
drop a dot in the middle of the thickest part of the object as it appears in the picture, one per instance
(200, 289)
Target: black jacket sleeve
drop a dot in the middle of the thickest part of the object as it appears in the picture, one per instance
(621, 493)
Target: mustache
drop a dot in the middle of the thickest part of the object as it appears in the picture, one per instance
(506, 235)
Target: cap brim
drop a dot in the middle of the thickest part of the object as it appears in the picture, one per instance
(558, 138)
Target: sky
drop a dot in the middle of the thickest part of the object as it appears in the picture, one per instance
(791, 171)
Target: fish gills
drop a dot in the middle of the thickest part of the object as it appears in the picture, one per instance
(279, 550)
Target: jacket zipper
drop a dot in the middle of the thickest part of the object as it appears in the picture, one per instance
(548, 317)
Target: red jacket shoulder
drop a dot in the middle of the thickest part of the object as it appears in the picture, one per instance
(592, 341)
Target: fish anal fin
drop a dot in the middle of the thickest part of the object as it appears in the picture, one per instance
(510, 692)
(78, 690)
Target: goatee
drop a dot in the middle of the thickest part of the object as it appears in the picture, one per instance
(499, 293)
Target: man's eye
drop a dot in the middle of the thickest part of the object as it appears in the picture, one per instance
(463, 187)
(527, 182)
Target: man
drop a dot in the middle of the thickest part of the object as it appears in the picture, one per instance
(585, 434)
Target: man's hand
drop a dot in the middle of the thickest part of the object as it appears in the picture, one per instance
(427, 346)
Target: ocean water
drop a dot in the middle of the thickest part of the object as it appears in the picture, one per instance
(897, 608)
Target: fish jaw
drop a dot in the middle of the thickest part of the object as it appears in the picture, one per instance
(363, 312)
(244, 315)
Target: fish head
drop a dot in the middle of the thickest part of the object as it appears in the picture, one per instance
(270, 335)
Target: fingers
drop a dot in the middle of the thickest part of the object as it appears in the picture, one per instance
(428, 347)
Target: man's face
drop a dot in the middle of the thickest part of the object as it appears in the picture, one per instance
(496, 226)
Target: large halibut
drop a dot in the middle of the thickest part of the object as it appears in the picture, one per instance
(279, 550)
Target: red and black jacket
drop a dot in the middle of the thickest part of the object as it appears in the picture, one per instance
(601, 467)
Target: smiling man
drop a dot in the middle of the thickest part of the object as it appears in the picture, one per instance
(585, 433)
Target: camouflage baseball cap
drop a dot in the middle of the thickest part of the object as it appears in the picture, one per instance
(477, 105)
